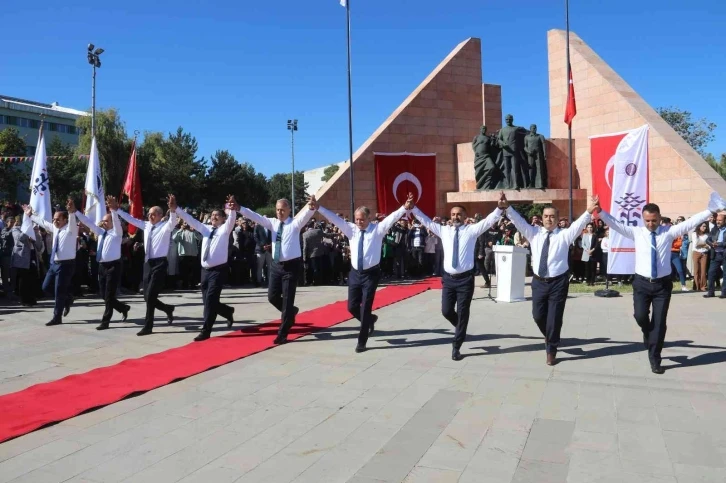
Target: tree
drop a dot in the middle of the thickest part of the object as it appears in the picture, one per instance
(11, 144)
(67, 173)
(227, 176)
(697, 133)
(329, 172)
(279, 187)
(114, 146)
(529, 210)
(719, 167)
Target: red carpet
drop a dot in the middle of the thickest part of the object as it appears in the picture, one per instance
(37, 406)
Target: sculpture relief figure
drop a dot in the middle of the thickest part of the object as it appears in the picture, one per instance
(510, 140)
(485, 169)
(534, 146)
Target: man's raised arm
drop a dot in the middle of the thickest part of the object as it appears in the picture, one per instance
(345, 227)
(488, 222)
(193, 222)
(615, 225)
(302, 218)
(87, 221)
(391, 220)
(130, 219)
(521, 224)
(257, 218)
(434, 228)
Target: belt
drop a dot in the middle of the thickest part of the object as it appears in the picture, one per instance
(654, 280)
(112, 262)
(291, 261)
(216, 268)
(65, 262)
(157, 258)
(457, 276)
(369, 270)
(550, 279)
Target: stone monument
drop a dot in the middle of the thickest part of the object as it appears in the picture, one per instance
(534, 147)
(486, 171)
(511, 141)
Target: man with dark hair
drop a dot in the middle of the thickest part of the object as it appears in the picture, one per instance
(550, 247)
(652, 285)
(717, 240)
(459, 242)
(366, 240)
(62, 257)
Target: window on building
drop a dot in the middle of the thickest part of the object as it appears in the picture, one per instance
(2, 119)
(72, 129)
(11, 120)
(35, 124)
(52, 126)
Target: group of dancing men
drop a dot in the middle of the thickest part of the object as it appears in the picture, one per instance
(549, 244)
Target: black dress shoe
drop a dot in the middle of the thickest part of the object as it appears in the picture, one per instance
(144, 332)
(360, 348)
(551, 359)
(374, 319)
(722, 296)
(657, 369)
(295, 311)
(456, 355)
(170, 316)
(53, 322)
(709, 295)
(230, 320)
(125, 313)
(201, 337)
(67, 308)
(103, 326)
(280, 340)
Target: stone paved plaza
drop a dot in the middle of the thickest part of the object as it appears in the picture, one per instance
(314, 411)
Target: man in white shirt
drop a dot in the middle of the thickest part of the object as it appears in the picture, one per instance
(215, 251)
(62, 258)
(652, 284)
(458, 241)
(366, 239)
(108, 256)
(157, 237)
(550, 247)
(286, 258)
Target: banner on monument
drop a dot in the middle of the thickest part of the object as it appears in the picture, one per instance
(398, 174)
(620, 179)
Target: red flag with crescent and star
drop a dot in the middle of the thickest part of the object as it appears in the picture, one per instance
(132, 189)
(398, 174)
(571, 108)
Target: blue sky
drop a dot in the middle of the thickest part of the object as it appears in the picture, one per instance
(232, 73)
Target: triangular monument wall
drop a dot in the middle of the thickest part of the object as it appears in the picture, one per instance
(445, 110)
(680, 180)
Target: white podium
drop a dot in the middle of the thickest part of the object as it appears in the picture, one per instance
(511, 265)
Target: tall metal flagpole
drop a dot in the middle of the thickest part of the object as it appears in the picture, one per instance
(93, 104)
(292, 178)
(350, 117)
(569, 126)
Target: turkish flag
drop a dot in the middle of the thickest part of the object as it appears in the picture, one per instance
(571, 109)
(132, 189)
(399, 174)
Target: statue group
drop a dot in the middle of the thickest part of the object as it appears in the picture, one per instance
(511, 159)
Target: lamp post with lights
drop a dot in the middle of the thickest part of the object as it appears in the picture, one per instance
(95, 61)
(292, 127)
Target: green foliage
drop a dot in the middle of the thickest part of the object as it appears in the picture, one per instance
(329, 172)
(697, 133)
(227, 176)
(529, 210)
(11, 144)
(67, 174)
(279, 187)
(718, 166)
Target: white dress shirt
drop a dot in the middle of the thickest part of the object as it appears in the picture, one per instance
(467, 239)
(372, 239)
(156, 246)
(111, 249)
(560, 241)
(664, 237)
(219, 245)
(290, 243)
(65, 237)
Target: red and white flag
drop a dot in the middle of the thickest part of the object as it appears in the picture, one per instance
(398, 174)
(132, 189)
(620, 179)
(571, 109)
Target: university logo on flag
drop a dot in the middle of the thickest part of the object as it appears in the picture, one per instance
(620, 179)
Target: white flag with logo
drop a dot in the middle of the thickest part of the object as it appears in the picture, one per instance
(39, 188)
(95, 200)
(623, 158)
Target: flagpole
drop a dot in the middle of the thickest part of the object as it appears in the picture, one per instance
(350, 116)
(569, 125)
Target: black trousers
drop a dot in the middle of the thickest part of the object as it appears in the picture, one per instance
(658, 295)
(188, 265)
(281, 291)
(58, 283)
(713, 268)
(154, 278)
(456, 296)
(361, 292)
(109, 276)
(213, 279)
(548, 306)
(483, 270)
(27, 280)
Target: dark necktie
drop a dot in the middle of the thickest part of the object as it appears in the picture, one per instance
(151, 237)
(209, 244)
(278, 243)
(56, 242)
(653, 256)
(455, 256)
(99, 250)
(360, 250)
(544, 257)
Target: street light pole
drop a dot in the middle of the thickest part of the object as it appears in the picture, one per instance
(95, 61)
(292, 127)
